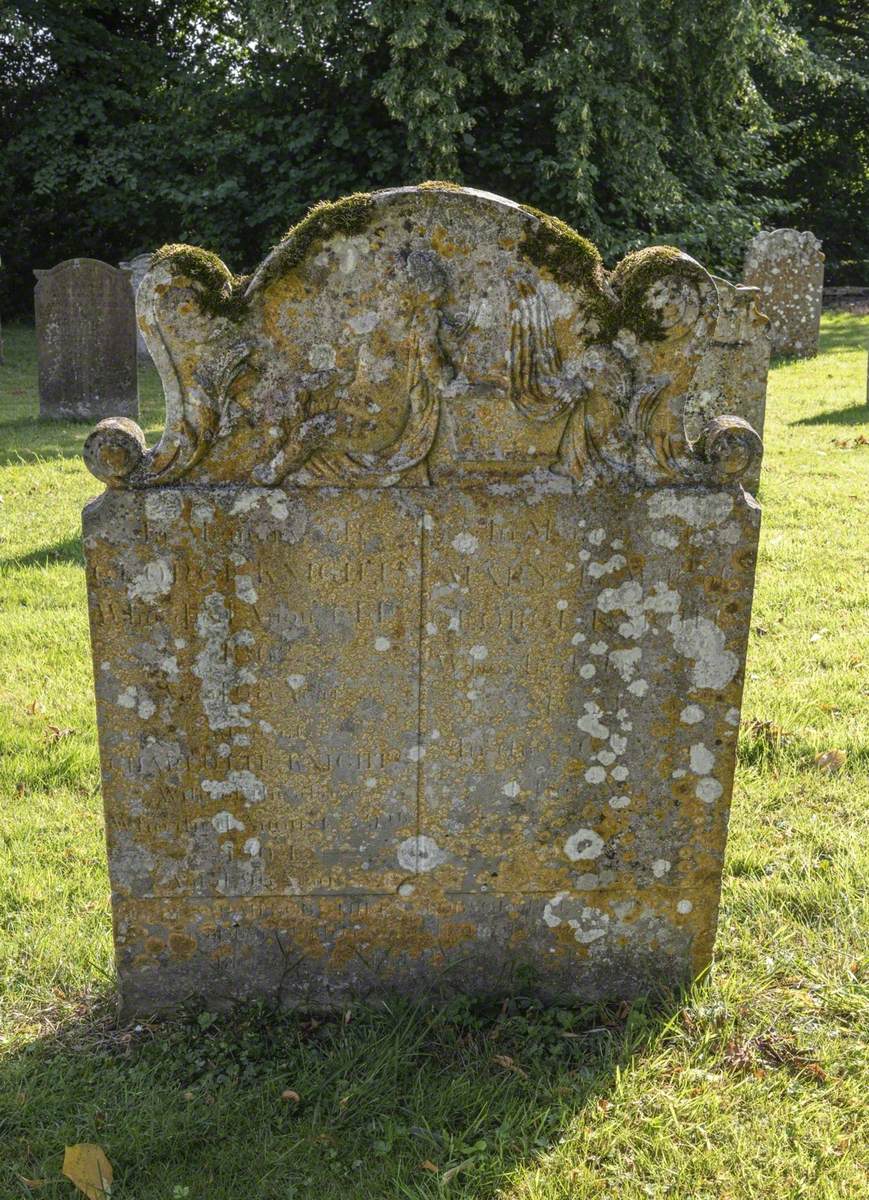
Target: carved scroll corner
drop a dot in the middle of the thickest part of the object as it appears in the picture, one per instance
(113, 450)
(730, 447)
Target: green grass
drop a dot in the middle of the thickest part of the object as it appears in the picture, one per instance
(753, 1085)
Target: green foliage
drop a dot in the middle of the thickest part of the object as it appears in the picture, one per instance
(822, 101)
(130, 123)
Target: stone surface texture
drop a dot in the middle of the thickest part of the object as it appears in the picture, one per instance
(787, 267)
(419, 637)
(135, 269)
(86, 341)
(732, 375)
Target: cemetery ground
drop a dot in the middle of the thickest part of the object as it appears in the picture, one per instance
(753, 1084)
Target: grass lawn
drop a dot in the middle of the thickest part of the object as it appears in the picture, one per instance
(753, 1085)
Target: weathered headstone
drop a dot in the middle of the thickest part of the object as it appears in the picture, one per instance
(86, 340)
(732, 375)
(419, 637)
(135, 269)
(788, 268)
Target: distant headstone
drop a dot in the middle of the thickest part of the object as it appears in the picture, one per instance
(419, 637)
(135, 269)
(86, 339)
(732, 375)
(788, 269)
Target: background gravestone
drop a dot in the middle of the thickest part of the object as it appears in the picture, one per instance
(86, 341)
(788, 268)
(732, 375)
(419, 637)
(135, 269)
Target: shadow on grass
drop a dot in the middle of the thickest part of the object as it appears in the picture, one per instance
(393, 1101)
(844, 331)
(854, 414)
(67, 551)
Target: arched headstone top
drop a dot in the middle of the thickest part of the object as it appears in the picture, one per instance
(418, 334)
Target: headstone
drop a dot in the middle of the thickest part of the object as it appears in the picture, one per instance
(86, 341)
(419, 637)
(135, 269)
(788, 268)
(732, 375)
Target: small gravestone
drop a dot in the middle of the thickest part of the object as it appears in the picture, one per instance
(419, 637)
(135, 269)
(788, 269)
(732, 375)
(86, 340)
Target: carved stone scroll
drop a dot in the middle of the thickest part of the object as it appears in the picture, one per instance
(419, 636)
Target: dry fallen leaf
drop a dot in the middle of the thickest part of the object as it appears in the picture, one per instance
(428, 1165)
(88, 1168)
(448, 1175)
(289, 1094)
(504, 1060)
(830, 760)
(33, 1184)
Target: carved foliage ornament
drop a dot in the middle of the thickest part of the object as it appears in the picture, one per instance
(418, 334)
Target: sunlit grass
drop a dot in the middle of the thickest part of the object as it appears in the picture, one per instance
(752, 1086)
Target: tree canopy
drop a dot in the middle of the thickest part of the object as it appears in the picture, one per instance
(128, 123)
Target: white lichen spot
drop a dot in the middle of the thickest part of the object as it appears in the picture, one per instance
(225, 822)
(365, 322)
(615, 563)
(619, 801)
(420, 854)
(577, 638)
(588, 671)
(692, 714)
(245, 783)
(146, 707)
(550, 917)
(732, 716)
(406, 889)
(619, 774)
(625, 662)
(660, 867)
(595, 775)
(664, 539)
(597, 536)
(478, 653)
(382, 644)
(638, 688)
(322, 356)
(618, 744)
(416, 753)
(606, 757)
(697, 509)
(702, 640)
(465, 543)
(708, 790)
(454, 625)
(591, 723)
(430, 628)
(252, 847)
(598, 648)
(127, 698)
(561, 605)
(277, 503)
(244, 502)
(245, 590)
(155, 579)
(684, 907)
(583, 844)
(702, 759)
(296, 681)
(511, 789)
(163, 507)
